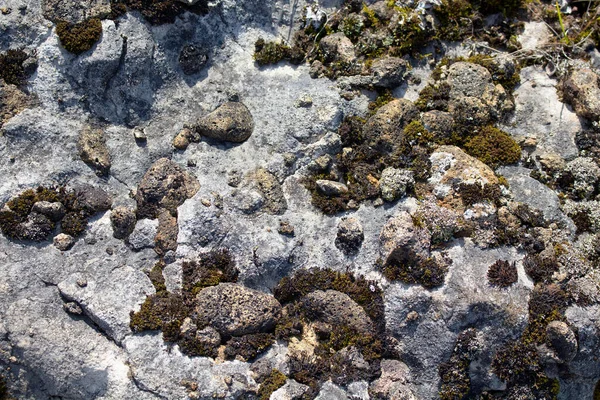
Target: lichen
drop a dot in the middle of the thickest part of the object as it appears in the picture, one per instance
(80, 37)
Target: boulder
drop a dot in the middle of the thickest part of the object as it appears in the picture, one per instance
(231, 122)
(385, 130)
(581, 90)
(234, 310)
(165, 185)
(337, 308)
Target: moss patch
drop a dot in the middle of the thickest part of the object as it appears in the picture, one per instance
(271, 383)
(248, 347)
(266, 53)
(158, 12)
(472, 193)
(494, 147)
(78, 38)
(209, 269)
(454, 373)
(12, 69)
(415, 270)
(502, 273)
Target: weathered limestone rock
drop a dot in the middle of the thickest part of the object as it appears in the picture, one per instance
(581, 90)
(234, 310)
(93, 150)
(231, 122)
(336, 308)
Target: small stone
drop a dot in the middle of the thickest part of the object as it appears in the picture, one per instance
(63, 242)
(562, 339)
(353, 205)
(93, 151)
(337, 47)
(304, 101)
(529, 142)
(378, 202)
(331, 188)
(123, 222)
(139, 135)
(166, 233)
(72, 308)
(336, 308)
(323, 163)
(289, 159)
(350, 235)
(54, 211)
(231, 122)
(394, 182)
(285, 228)
(205, 202)
(5, 10)
(181, 141)
(412, 316)
(82, 282)
(389, 72)
(234, 178)
(110, 251)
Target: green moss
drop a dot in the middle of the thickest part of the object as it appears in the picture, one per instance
(455, 17)
(271, 383)
(196, 348)
(454, 374)
(73, 223)
(209, 269)
(157, 278)
(371, 18)
(11, 66)
(434, 97)
(158, 12)
(162, 311)
(494, 147)
(78, 38)
(472, 193)
(248, 347)
(547, 303)
(366, 293)
(502, 274)
(416, 133)
(382, 99)
(415, 270)
(409, 36)
(266, 53)
(352, 26)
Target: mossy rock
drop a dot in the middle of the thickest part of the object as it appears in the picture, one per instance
(209, 269)
(158, 12)
(271, 383)
(80, 37)
(266, 53)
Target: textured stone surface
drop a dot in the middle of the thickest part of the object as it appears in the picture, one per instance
(230, 122)
(234, 310)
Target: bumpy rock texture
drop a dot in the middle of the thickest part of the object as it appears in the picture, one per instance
(299, 199)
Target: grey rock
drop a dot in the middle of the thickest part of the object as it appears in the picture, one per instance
(562, 339)
(208, 336)
(331, 188)
(350, 235)
(359, 391)
(581, 90)
(75, 11)
(389, 72)
(385, 129)
(54, 211)
(143, 234)
(337, 47)
(474, 99)
(439, 123)
(123, 221)
(73, 308)
(166, 233)
(191, 58)
(394, 183)
(165, 185)
(336, 308)
(266, 184)
(63, 242)
(231, 122)
(108, 298)
(93, 150)
(330, 391)
(400, 236)
(585, 173)
(292, 390)
(234, 310)
(92, 199)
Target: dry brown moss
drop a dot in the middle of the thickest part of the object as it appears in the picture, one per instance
(80, 37)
